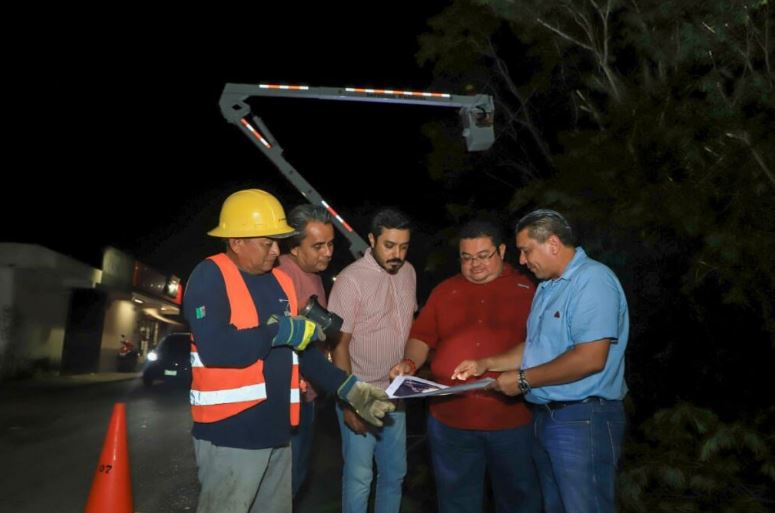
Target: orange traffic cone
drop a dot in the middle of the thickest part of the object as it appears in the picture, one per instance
(111, 489)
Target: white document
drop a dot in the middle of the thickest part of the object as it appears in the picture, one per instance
(406, 387)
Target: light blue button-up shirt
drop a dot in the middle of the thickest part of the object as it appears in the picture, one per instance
(585, 304)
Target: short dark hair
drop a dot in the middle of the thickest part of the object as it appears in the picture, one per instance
(389, 219)
(542, 223)
(481, 228)
(300, 216)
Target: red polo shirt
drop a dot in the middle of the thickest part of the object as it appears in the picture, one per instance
(464, 320)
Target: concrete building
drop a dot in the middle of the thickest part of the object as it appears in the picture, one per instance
(60, 315)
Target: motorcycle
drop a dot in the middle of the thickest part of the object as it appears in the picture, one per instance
(126, 360)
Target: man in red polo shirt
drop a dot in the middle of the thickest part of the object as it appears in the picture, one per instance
(480, 312)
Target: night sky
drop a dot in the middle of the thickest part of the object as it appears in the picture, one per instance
(132, 103)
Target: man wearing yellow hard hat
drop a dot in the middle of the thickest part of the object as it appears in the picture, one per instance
(246, 355)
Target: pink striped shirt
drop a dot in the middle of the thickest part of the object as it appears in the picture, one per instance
(377, 308)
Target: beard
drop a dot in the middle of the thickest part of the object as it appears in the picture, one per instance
(393, 266)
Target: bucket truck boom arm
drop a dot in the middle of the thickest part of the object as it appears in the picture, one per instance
(476, 112)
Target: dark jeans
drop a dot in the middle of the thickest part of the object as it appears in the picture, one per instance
(301, 444)
(461, 457)
(576, 452)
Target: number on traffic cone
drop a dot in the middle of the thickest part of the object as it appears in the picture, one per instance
(111, 489)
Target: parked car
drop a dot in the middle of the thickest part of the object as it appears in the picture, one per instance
(170, 361)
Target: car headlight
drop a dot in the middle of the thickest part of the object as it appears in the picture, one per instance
(152, 356)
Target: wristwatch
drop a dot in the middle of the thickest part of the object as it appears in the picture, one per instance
(524, 386)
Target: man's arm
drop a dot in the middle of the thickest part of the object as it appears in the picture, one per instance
(316, 368)
(341, 354)
(341, 358)
(417, 351)
(344, 301)
(508, 360)
(581, 361)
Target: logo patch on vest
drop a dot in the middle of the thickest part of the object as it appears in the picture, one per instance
(200, 312)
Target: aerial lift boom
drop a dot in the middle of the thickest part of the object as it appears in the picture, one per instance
(476, 112)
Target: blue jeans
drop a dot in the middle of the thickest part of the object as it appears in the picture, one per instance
(301, 444)
(576, 452)
(461, 457)
(388, 446)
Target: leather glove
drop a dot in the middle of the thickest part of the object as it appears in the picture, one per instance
(296, 331)
(370, 402)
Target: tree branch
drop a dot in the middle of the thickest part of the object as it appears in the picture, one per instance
(564, 35)
(601, 56)
(585, 24)
(767, 42)
(512, 87)
(746, 139)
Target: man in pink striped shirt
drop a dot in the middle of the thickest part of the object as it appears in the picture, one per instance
(376, 296)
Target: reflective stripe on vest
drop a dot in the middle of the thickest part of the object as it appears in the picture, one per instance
(295, 392)
(233, 395)
(217, 392)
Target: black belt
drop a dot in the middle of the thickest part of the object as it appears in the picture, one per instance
(558, 405)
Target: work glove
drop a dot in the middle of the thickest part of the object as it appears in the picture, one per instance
(370, 402)
(296, 331)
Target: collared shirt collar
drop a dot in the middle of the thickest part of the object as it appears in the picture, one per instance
(286, 259)
(507, 270)
(368, 258)
(579, 258)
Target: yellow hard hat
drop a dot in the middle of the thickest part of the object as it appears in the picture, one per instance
(252, 213)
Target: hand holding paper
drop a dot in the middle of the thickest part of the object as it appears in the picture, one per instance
(407, 387)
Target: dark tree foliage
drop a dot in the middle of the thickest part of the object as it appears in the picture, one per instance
(652, 125)
(687, 459)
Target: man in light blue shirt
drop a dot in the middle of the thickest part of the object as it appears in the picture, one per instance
(571, 367)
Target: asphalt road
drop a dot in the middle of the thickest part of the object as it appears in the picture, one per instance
(51, 437)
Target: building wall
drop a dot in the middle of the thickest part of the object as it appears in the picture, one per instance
(120, 319)
(41, 290)
(42, 302)
(35, 285)
(8, 322)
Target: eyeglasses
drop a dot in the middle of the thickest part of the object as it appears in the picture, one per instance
(481, 257)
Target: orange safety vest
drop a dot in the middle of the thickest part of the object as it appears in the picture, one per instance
(218, 393)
